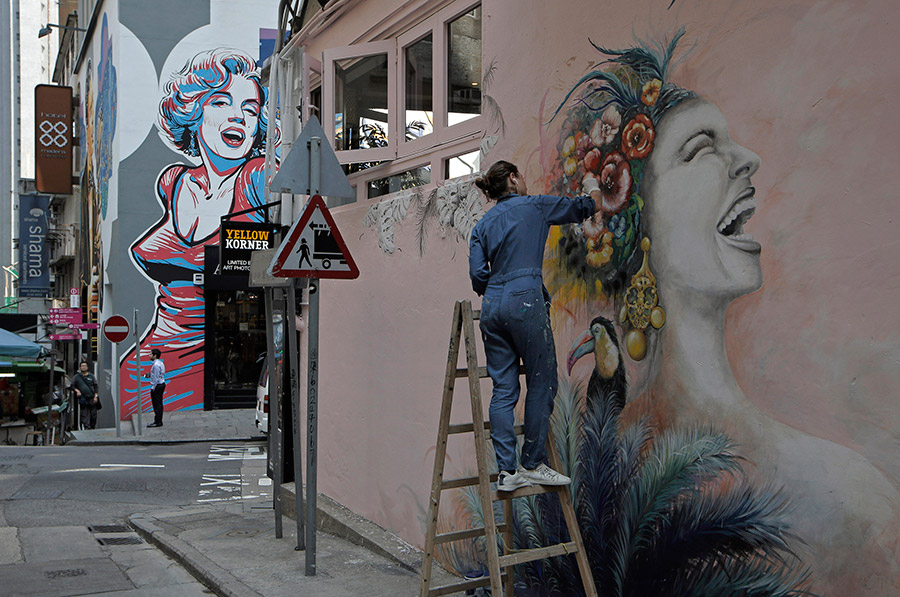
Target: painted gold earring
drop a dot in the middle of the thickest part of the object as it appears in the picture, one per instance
(641, 307)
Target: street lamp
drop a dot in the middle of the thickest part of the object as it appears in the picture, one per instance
(45, 30)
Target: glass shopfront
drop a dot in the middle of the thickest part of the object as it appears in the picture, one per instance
(235, 339)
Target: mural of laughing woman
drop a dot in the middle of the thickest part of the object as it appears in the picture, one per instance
(662, 262)
(214, 111)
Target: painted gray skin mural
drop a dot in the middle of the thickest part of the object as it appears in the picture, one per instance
(213, 112)
(682, 485)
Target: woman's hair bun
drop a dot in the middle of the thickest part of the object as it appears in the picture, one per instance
(495, 183)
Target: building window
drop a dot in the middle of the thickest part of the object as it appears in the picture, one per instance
(462, 165)
(361, 109)
(464, 67)
(419, 87)
(409, 179)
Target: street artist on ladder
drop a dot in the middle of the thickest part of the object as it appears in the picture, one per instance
(506, 251)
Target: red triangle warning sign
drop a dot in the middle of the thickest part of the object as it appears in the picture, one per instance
(314, 248)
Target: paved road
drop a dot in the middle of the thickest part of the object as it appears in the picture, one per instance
(62, 511)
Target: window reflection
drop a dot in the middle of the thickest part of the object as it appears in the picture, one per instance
(399, 182)
(361, 102)
(419, 79)
(464, 67)
(463, 165)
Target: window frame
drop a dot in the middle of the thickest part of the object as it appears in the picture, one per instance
(332, 55)
(398, 147)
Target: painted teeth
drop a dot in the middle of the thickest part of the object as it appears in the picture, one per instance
(740, 208)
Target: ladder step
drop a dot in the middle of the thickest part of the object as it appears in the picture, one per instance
(464, 534)
(482, 372)
(530, 555)
(462, 482)
(526, 491)
(469, 428)
(484, 581)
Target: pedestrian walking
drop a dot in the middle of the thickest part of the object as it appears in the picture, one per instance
(157, 386)
(506, 252)
(85, 385)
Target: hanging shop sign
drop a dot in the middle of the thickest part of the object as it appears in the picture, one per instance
(53, 139)
(34, 270)
(238, 240)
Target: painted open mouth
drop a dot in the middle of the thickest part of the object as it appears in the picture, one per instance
(233, 137)
(731, 226)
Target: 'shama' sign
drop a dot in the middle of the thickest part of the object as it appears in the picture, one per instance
(53, 139)
(34, 254)
(237, 240)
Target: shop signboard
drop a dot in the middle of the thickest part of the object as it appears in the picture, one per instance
(238, 240)
(34, 269)
(53, 139)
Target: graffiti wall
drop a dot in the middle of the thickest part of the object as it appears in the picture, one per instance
(193, 149)
(735, 291)
(97, 115)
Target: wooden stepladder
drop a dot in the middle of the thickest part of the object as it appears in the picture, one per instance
(498, 578)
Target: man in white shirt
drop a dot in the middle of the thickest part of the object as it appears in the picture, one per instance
(157, 386)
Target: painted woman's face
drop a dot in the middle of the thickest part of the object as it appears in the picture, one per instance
(231, 118)
(699, 197)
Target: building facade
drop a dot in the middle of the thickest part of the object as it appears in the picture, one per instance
(172, 120)
(781, 341)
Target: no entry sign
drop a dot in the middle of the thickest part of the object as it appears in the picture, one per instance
(116, 328)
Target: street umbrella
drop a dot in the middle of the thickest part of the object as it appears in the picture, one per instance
(14, 345)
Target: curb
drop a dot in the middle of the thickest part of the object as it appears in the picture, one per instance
(212, 575)
(340, 521)
(145, 442)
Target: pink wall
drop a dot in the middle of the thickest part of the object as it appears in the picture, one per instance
(810, 87)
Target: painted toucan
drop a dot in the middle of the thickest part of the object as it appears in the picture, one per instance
(607, 383)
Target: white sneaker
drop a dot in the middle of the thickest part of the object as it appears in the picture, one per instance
(511, 482)
(543, 475)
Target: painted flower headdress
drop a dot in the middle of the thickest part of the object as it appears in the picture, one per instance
(608, 134)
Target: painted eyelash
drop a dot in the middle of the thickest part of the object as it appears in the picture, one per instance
(697, 150)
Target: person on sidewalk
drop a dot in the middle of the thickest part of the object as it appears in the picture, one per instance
(506, 252)
(85, 385)
(157, 386)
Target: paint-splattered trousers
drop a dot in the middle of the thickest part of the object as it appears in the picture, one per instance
(515, 324)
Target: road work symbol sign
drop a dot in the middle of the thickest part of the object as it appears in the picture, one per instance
(313, 248)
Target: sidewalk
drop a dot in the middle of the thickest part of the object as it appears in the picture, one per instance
(231, 548)
(178, 427)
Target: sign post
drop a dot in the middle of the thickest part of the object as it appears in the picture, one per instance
(115, 329)
(137, 364)
(313, 248)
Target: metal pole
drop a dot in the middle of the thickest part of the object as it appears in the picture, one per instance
(50, 393)
(293, 347)
(312, 410)
(137, 364)
(312, 378)
(274, 443)
(116, 390)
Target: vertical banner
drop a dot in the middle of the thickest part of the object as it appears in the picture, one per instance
(34, 269)
(53, 139)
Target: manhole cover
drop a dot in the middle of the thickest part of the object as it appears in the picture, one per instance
(124, 486)
(12, 457)
(65, 573)
(109, 528)
(119, 540)
(36, 494)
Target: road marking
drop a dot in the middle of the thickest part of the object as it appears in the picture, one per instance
(136, 465)
(219, 480)
(225, 452)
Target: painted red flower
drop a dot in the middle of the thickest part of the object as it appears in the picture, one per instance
(637, 138)
(592, 160)
(615, 183)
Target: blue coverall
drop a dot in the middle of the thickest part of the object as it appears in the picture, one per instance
(506, 252)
